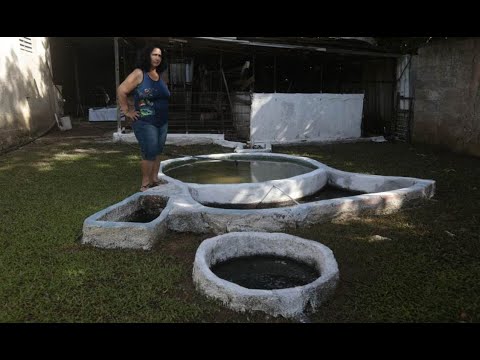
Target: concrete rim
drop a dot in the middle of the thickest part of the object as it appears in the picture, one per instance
(288, 302)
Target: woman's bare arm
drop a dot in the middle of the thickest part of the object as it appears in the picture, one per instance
(125, 88)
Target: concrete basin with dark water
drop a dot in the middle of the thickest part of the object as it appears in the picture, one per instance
(241, 197)
(254, 192)
(286, 275)
(246, 179)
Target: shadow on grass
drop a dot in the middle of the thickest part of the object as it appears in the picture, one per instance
(418, 265)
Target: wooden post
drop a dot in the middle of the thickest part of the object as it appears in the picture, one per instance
(274, 73)
(117, 82)
(253, 73)
(77, 85)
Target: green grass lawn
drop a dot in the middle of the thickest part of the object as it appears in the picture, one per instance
(428, 270)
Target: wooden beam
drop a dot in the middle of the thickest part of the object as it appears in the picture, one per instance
(117, 82)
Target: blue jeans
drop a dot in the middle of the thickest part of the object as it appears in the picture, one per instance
(150, 137)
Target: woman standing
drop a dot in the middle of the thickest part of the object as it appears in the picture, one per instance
(150, 112)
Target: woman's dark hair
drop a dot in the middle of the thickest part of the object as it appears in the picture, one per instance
(144, 60)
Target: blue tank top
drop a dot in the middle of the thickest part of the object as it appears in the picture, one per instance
(151, 100)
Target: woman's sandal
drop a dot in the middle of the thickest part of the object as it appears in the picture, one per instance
(156, 183)
(145, 187)
(148, 186)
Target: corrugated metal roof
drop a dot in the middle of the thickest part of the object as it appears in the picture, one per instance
(338, 45)
(263, 44)
(344, 45)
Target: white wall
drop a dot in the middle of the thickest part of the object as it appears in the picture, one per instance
(282, 118)
(27, 97)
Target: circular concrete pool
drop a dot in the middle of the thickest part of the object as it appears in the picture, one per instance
(290, 302)
(246, 178)
(233, 171)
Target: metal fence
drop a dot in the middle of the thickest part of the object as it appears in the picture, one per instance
(208, 112)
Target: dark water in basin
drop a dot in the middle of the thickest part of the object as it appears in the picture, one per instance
(143, 215)
(327, 192)
(236, 171)
(265, 272)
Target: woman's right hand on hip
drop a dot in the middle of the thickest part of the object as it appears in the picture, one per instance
(132, 114)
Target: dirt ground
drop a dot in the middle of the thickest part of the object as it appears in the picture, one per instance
(83, 129)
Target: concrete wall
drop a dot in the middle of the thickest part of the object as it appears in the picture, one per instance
(282, 118)
(447, 96)
(27, 97)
